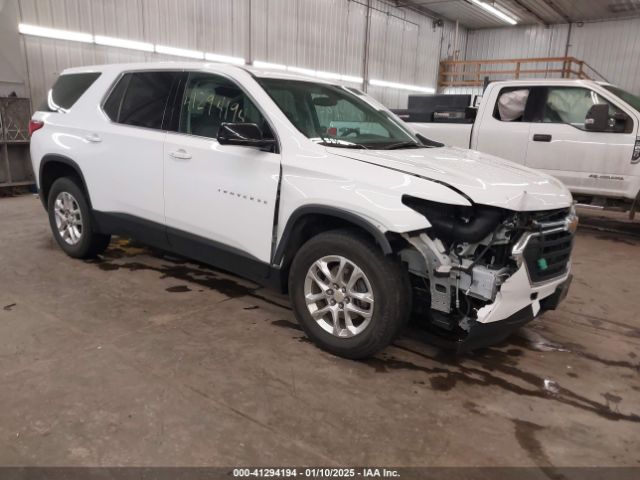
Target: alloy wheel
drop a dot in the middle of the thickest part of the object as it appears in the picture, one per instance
(68, 218)
(339, 296)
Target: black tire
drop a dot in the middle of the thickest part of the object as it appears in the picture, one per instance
(90, 242)
(389, 282)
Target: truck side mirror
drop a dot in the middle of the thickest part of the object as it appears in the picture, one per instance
(470, 113)
(597, 119)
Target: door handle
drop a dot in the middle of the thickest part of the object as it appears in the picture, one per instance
(541, 137)
(93, 138)
(180, 154)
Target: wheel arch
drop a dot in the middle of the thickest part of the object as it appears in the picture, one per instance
(310, 220)
(54, 166)
(306, 215)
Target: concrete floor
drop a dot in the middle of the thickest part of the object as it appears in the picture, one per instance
(144, 359)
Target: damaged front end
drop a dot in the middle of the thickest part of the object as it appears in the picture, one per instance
(479, 273)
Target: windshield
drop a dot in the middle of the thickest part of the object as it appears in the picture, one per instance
(631, 99)
(337, 117)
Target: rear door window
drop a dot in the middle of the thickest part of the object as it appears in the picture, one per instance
(67, 90)
(140, 99)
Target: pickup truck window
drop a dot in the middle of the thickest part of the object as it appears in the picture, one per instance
(511, 105)
(570, 105)
(210, 100)
(630, 98)
(333, 115)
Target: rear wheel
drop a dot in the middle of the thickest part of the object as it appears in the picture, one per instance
(349, 298)
(71, 221)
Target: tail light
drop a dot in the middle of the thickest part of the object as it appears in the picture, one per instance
(35, 125)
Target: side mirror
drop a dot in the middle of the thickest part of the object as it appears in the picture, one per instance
(597, 119)
(243, 134)
(470, 113)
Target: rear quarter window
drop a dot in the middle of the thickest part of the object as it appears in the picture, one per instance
(140, 99)
(67, 90)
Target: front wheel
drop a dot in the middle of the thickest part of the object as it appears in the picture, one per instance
(349, 298)
(71, 221)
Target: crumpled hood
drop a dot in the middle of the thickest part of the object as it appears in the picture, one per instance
(484, 178)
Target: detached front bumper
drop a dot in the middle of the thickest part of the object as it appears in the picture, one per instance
(485, 334)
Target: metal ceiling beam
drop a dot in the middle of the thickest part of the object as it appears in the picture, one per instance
(417, 7)
(558, 10)
(531, 12)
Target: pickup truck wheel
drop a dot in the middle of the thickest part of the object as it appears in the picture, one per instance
(349, 298)
(71, 221)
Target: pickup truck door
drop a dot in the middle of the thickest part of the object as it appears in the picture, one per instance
(220, 200)
(590, 163)
(504, 138)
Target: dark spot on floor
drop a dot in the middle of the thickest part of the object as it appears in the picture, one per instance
(612, 399)
(303, 339)
(178, 289)
(286, 324)
(580, 351)
(191, 272)
(572, 374)
(443, 384)
(9, 307)
(525, 433)
(471, 407)
(384, 364)
(615, 239)
(490, 372)
(252, 307)
(107, 267)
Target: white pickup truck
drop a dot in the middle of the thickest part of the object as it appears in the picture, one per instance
(584, 133)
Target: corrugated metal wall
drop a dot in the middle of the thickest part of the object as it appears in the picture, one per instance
(319, 34)
(517, 42)
(611, 47)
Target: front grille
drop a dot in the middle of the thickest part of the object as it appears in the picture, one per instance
(547, 255)
(548, 216)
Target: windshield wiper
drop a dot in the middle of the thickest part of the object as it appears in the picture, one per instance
(394, 146)
(343, 145)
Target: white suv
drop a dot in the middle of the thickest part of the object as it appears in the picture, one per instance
(308, 186)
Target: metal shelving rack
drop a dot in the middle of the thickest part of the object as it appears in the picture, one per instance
(15, 162)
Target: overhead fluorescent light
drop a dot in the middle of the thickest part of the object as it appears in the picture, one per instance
(271, 66)
(401, 86)
(121, 43)
(55, 33)
(495, 12)
(179, 52)
(214, 57)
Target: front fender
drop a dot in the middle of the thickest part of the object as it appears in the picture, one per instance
(367, 195)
